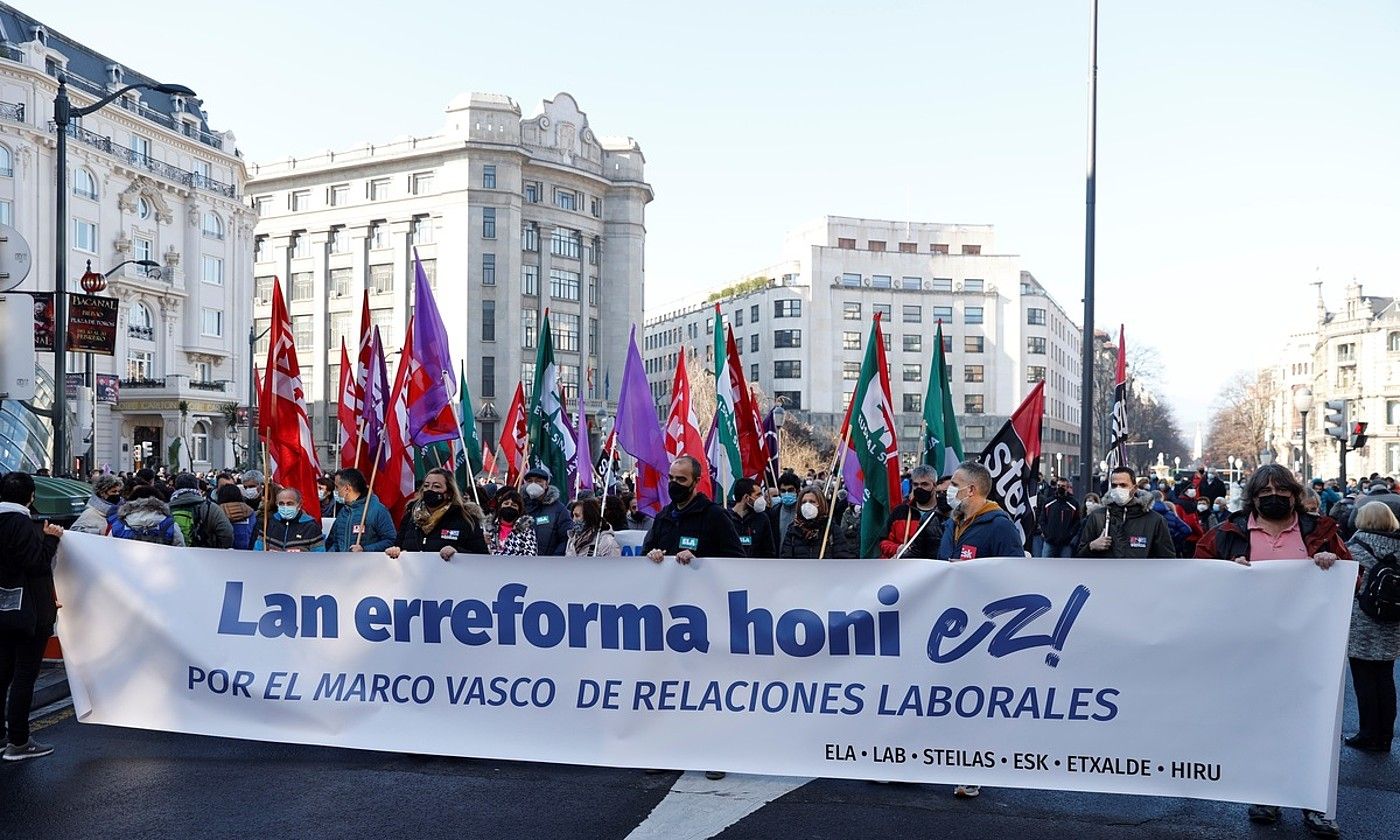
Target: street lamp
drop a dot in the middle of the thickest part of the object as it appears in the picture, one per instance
(1303, 401)
(779, 418)
(63, 114)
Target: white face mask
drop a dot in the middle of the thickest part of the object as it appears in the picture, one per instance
(1090, 507)
(250, 493)
(1190, 494)
(809, 510)
(534, 491)
(953, 501)
(759, 505)
(1202, 508)
(1119, 496)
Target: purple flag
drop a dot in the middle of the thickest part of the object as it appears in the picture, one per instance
(432, 382)
(639, 433)
(855, 478)
(712, 453)
(376, 397)
(770, 445)
(583, 456)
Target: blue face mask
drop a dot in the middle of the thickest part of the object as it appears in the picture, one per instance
(287, 512)
(575, 526)
(788, 499)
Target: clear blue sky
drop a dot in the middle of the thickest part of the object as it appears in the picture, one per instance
(1245, 148)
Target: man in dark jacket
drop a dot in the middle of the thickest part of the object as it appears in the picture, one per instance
(26, 582)
(550, 517)
(781, 514)
(1059, 521)
(203, 523)
(906, 531)
(750, 522)
(691, 525)
(979, 528)
(1126, 526)
(1213, 487)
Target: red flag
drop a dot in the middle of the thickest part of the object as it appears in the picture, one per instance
(1010, 457)
(345, 411)
(362, 460)
(488, 462)
(283, 415)
(750, 436)
(514, 435)
(683, 430)
(394, 483)
(765, 473)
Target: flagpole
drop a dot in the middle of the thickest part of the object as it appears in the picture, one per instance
(922, 526)
(1086, 382)
(835, 486)
(267, 488)
(466, 450)
(524, 465)
(369, 491)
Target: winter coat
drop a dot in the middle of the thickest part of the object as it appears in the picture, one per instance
(1370, 639)
(1214, 488)
(581, 544)
(1176, 526)
(701, 527)
(991, 533)
(1230, 539)
(520, 543)
(26, 562)
(551, 520)
(146, 520)
(1136, 529)
(905, 521)
(1390, 500)
(457, 528)
(301, 534)
(93, 519)
(244, 522)
(379, 531)
(804, 541)
(755, 533)
(204, 524)
(1059, 520)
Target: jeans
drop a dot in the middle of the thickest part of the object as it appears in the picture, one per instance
(1375, 699)
(1048, 550)
(20, 658)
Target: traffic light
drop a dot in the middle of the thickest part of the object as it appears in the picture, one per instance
(1358, 435)
(1335, 419)
(148, 450)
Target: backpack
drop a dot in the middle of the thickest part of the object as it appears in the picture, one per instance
(1379, 596)
(164, 533)
(190, 519)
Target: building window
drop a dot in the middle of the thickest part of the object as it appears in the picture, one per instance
(882, 310)
(875, 245)
(488, 383)
(488, 223)
(303, 285)
(564, 243)
(338, 195)
(338, 325)
(212, 269)
(974, 286)
(299, 245)
(430, 272)
(787, 369)
(938, 248)
(530, 280)
(563, 329)
(739, 317)
(913, 314)
(141, 148)
(912, 284)
(972, 249)
(7, 212)
(850, 279)
(381, 278)
(7, 163)
(791, 400)
(1035, 345)
(139, 323)
(972, 373)
(913, 373)
(972, 403)
(144, 249)
(339, 282)
(377, 189)
(913, 343)
(302, 332)
(753, 343)
(488, 269)
(943, 313)
(533, 191)
(84, 185)
(753, 314)
(913, 403)
(211, 322)
(976, 432)
(595, 207)
(337, 241)
(1035, 373)
(1035, 317)
(529, 328)
(846, 244)
(565, 199)
(530, 237)
(261, 203)
(850, 340)
(787, 338)
(595, 253)
(140, 364)
(488, 320)
(1346, 376)
(850, 311)
(299, 200)
(881, 281)
(488, 176)
(791, 308)
(378, 235)
(563, 284)
(753, 374)
(974, 344)
(1346, 352)
(972, 315)
(213, 225)
(942, 284)
(527, 379)
(262, 288)
(420, 230)
(850, 370)
(593, 289)
(84, 236)
(1392, 458)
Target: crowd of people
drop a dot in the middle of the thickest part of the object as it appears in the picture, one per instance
(951, 517)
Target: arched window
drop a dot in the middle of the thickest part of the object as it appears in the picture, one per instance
(199, 443)
(143, 208)
(1392, 341)
(7, 163)
(84, 185)
(139, 323)
(213, 225)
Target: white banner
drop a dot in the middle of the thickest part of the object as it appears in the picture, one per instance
(1165, 677)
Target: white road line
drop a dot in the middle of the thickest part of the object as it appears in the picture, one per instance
(697, 808)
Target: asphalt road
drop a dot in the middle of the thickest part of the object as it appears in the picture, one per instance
(112, 782)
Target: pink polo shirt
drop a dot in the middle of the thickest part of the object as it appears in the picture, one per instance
(1288, 545)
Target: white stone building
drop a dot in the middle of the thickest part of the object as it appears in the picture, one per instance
(147, 179)
(1351, 353)
(510, 216)
(802, 331)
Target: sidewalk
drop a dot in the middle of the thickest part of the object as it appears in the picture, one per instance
(52, 685)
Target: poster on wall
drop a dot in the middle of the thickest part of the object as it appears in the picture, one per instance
(92, 324)
(108, 387)
(43, 320)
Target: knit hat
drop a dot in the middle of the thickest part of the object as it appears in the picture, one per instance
(539, 471)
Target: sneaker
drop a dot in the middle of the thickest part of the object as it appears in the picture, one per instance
(1318, 824)
(967, 791)
(31, 749)
(714, 775)
(1356, 742)
(1264, 814)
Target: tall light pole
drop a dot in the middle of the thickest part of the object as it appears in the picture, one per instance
(1086, 374)
(1303, 401)
(779, 418)
(63, 114)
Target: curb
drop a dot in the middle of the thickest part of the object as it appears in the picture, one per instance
(51, 687)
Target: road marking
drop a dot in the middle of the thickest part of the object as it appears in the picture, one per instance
(697, 808)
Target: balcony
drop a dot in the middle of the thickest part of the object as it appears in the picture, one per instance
(11, 52)
(12, 111)
(148, 333)
(218, 386)
(194, 180)
(142, 383)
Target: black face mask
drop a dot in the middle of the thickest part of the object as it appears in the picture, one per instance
(680, 493)
(943, 506)
(433, 498)
(1274, 507)
(510, 513)
(922, 496)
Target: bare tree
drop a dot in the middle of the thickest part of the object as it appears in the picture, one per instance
(1239, 425)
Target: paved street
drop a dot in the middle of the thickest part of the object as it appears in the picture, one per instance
(111, 782)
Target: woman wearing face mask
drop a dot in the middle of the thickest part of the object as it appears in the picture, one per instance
(636, 520)
(506, 534)
(291, 529)
(439, 520)
(588, 534)
(804, 536)
(106, 496)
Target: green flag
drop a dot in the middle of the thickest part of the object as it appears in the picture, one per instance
(726, 460)
(468, 419)
(551, 438)
(942, 445)
(871, 434)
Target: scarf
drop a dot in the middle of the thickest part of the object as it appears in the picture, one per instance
(427, 519)
(960, 527)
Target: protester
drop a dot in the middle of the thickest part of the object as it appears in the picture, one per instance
(1377, 490)
(146, 517)
(1213, 487)
(502, 534)
(546, 511)
(252, 488)
(614, 513)
(325, 490)
(440, 521)
(691, 525)
(292, 530)
(809, 533)
(636, 520)
(782, 514)
(202, 523)
(1373, 645)
(1181, 533)
(1126, 526)
(363, 523)
(1327, 491)
(1059, 522)
(238, 514)
(106, 495)
(906, 531)
(588, 534)
(748, 513)
(26, 563)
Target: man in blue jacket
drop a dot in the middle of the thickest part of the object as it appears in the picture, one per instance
(980, 528)
(347, 534)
